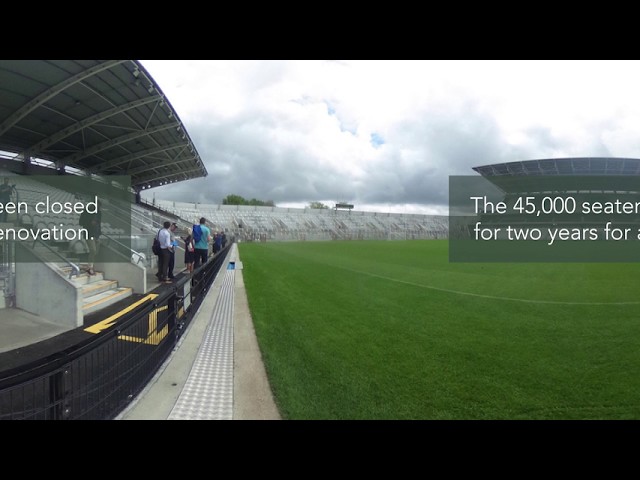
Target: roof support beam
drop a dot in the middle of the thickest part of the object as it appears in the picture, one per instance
(53, 91)
(134, 156)
(146, 168)
(72, 159)
(76, 127)
(151, 178)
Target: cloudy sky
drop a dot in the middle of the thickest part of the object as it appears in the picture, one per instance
(386, 135)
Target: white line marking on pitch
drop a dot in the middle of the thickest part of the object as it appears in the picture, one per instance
(492, 297)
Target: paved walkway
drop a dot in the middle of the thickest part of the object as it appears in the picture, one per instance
(216, 371)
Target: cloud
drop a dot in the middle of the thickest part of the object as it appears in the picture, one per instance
(387, 135)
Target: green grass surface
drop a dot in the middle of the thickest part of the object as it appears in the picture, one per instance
(392, 330)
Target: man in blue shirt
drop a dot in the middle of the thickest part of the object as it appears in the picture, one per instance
(202, 245)
(218, 242)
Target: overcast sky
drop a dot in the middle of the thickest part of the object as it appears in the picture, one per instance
(386, 135)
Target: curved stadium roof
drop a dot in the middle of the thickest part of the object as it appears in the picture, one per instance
(522, 176)
(106, 117)
(565, 166)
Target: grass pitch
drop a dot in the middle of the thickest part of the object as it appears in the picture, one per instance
(392, 330)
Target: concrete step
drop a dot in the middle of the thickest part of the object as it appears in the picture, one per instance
(101, 300)
(84, 278)
(93, 287)
(97, 292)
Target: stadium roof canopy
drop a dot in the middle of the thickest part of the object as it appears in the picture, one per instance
(104, 117)
(607, 173)
(565, 166)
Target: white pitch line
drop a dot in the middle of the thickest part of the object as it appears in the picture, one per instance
(492, 297)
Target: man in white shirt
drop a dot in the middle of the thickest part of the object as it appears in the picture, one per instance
(172, 252)
(164, 237)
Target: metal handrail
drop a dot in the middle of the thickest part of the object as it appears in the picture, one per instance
(141, 256)
(75, 269)
(154, 223)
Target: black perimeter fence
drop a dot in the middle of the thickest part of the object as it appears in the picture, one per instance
(97, 379)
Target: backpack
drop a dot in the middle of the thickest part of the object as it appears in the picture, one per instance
(155, 248)
(197, 233)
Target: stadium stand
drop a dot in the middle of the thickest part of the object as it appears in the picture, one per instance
(255, 223)
(96, 340)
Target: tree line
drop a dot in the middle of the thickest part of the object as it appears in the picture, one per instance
(233, 199)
